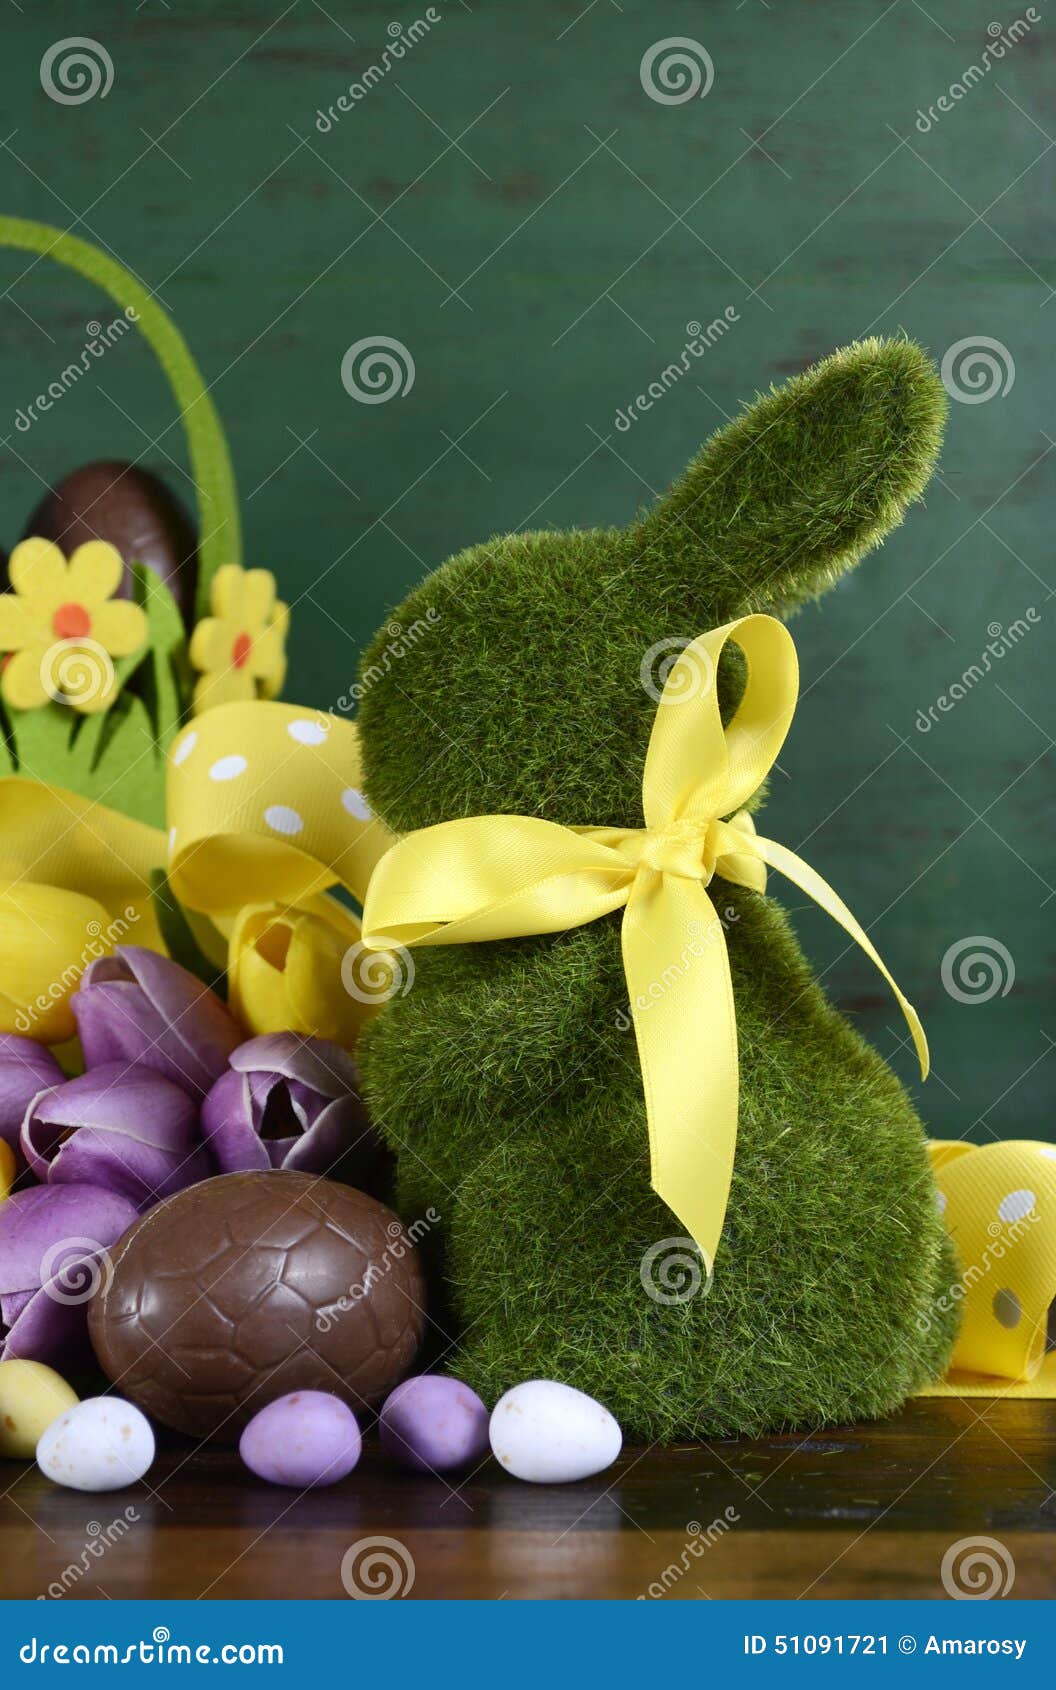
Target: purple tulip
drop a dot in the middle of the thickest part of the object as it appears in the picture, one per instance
(136, 1006)
(289, 1102)
(25, 1069)
(53, 1244)
(125, 1128)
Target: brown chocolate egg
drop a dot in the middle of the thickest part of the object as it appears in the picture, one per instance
(132, 509)
(250, 1286)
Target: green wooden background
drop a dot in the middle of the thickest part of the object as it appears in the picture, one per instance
(511, 205)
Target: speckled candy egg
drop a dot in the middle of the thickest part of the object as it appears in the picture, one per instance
(102, 1443)
(551, 1434)
(251, 1286)
(433, 1424)
(305, 1439)
(31, 1397)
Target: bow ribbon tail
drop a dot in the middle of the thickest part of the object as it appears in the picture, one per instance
(801, 873)
(678, 975)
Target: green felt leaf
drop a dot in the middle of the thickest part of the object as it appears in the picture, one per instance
(112, 758)
(166, 679)
(40, 741)
(127, 770)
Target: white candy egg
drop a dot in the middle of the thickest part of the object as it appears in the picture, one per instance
(551, 1434)
(103, 1443)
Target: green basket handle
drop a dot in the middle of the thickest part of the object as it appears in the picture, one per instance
(219, 528)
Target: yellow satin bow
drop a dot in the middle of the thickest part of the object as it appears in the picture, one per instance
(505, 877)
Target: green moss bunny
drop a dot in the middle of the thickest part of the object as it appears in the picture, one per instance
(507, 1078)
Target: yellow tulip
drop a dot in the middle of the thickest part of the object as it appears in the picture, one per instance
(48, 936)
(295, 970)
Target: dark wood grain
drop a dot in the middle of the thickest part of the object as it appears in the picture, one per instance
(867, 1512)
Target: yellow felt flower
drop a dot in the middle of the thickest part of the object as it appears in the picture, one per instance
(63, 627)
(240, 648)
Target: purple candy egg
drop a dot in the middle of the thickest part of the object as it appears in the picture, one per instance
(303, 1440)
(433, 1424)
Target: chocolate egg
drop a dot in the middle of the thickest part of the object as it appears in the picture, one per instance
(132, 509)
(250, 1286)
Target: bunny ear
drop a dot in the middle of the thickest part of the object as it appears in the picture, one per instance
(793, 492)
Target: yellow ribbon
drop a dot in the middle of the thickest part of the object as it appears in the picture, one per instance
(998, 1202)
(264, 805)
(505, 877)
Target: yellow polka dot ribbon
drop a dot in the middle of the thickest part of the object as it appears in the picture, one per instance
(999, 1205)
(264, 806)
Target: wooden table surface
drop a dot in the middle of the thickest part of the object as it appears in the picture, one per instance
(865, 1512)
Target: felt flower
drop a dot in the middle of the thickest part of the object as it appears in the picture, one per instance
(240, 648)
(293, 970)
(63, 627)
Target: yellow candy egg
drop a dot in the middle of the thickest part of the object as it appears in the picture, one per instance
(31, 1397)
(7, 1168)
